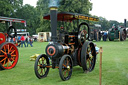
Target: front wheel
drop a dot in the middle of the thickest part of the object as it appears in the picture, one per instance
(41, 66)
(65, 67)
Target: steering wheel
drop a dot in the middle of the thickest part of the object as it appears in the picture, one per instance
(82, 33)
(82, 36)
(9, 31)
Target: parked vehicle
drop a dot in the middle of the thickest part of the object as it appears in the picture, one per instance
(69, 48)
(9, 54)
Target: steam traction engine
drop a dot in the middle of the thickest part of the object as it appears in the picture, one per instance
(71, 49)
(117, 32)
(8, 51)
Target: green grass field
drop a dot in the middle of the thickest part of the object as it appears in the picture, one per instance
(114, 68)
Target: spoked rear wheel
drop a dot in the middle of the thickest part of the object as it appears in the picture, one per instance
(8, 55)
(88, 56)
(65, 67)
(123, 34)
(41, 66)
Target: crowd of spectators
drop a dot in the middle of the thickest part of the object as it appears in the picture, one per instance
(21, 40)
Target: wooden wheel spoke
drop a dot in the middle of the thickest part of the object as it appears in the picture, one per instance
(64, 62)
(4, 62)
(42, 61)
(9, 62)
(68, 71)
(41, 71)
(65, 72)
(67, 61)
(13, 55)
(92, 61)
(39, 65)
(8, 49)
(13, 59)
(3, 51)
(2, 56)
(65, 66)
(3, 59)
(13, 52)
(89, 63)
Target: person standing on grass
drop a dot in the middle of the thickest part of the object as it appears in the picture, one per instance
(29, 41)
(105, 36)
(22, 41)
(96, 48)
(19, 41)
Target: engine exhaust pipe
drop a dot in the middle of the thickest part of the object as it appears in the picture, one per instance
(53, 16)
(125, 23)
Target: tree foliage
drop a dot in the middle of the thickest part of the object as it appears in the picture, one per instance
(29, 13)
(34, 15)
(82, 6)
(8, 8)
(76, 6)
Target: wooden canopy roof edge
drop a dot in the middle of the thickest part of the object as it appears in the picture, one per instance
(67, 16)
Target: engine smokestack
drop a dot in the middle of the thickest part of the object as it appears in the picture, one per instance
(53, 16)
(125, 21)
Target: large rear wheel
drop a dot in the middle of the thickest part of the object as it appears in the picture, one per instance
(123, 34)
(88, 56)
(8, 55)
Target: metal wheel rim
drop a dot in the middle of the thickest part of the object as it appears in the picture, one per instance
(65, 67)
(8, 55)
(123, 35)
(88, 56)
(41, 70)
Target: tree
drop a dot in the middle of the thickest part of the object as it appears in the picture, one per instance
(29, 13)
(75, 6)
(8, 8)
(42, 9)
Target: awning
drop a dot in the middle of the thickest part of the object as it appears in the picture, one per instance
(68, 17)
(4, 19)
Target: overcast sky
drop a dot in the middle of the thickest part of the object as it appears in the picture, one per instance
(109, 9)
